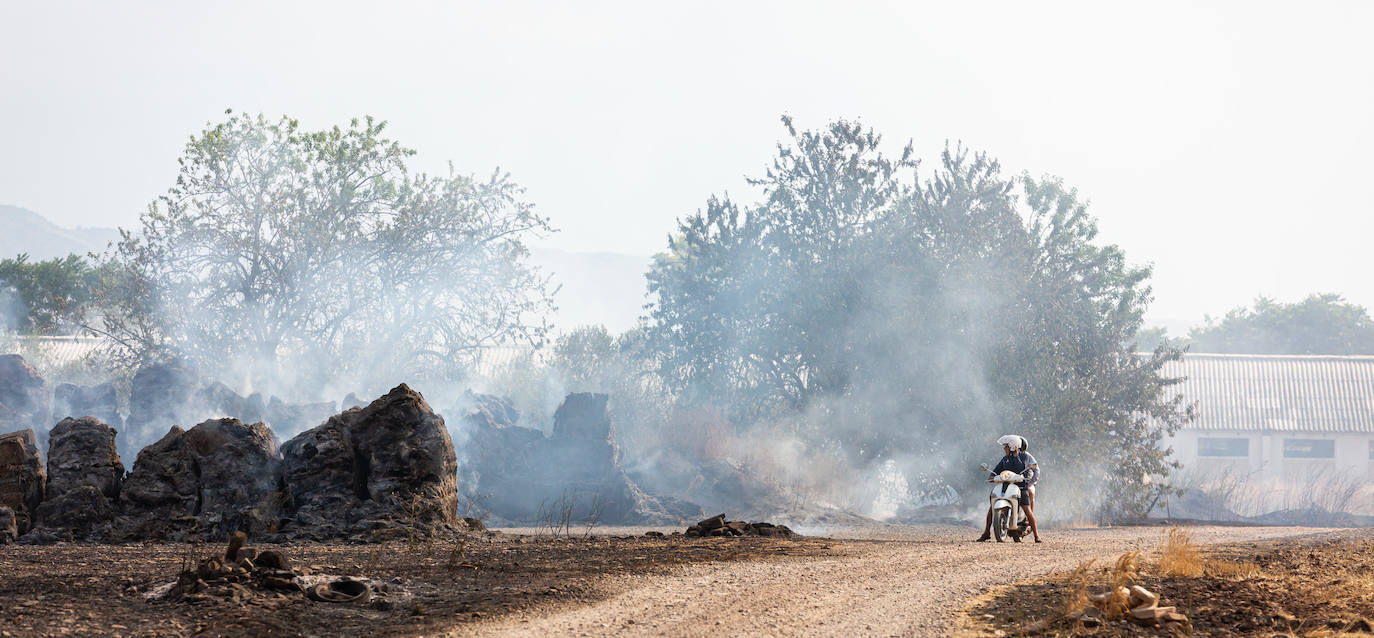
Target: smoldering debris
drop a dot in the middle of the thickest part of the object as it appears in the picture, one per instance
(574, 476)
(24, 400)
(381, 472)
(243, 573)
(385, 470)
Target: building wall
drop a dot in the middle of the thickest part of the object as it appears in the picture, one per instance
(1273, 479)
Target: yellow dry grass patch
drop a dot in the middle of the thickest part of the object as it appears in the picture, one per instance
(1178, 556)
(1229, 569)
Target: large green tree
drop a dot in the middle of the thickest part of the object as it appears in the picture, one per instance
(915, 318)
(307, 257)
(1319, 324)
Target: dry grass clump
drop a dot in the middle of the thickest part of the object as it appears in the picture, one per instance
(1123, 575)
(1179, 556)
(1076, 597)
(1228, 569)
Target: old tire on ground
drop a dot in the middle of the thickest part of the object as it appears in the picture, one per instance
(341, 591)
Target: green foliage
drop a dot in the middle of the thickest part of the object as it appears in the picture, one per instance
(46, 297)
(910, 318)
(314, 256)
(1319, 324)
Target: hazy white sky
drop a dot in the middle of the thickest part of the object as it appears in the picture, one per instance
(1229, 145)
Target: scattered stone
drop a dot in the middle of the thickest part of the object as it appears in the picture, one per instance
(1139, 596)
(1144, 609)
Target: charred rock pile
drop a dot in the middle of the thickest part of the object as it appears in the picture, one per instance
(24, 400)
(718, 526)
(85, 475)
(362, 474)
(575, 474)
(217, 477)
(364, 469)
(22, 481)
(367, 473)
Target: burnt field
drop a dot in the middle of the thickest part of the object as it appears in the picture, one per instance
(1318, 586)
(418, 588)
(929, 580)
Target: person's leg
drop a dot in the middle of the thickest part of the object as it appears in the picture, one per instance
(987, 527)
(1030, 518)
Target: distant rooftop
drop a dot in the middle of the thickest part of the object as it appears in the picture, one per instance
(1281, 393)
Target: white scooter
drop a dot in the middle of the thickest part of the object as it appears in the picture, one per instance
(1008, 519)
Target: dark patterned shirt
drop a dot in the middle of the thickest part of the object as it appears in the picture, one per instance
(1020, 463)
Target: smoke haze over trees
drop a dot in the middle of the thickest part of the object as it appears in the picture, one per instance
(861, 334)
(302, 258)
(912, 320)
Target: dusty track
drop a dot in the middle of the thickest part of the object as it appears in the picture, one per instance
(896, 582)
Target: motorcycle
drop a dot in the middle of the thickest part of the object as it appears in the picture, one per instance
(1008, 519)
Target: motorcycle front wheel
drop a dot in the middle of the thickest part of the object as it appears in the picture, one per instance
(1000, 519)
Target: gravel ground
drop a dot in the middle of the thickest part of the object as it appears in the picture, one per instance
(889, 581)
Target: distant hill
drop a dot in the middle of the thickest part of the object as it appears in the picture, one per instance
(28, 232)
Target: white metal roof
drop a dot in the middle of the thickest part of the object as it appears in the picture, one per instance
(1285, 393)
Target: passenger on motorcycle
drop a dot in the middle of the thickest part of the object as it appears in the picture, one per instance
(1018, 460)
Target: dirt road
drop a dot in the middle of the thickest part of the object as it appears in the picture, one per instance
(897, 582)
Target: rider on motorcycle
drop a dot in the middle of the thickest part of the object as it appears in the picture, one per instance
(1018, 460)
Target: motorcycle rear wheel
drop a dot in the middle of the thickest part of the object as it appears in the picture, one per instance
(999, 523)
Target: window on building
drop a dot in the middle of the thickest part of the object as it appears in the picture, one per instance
(1309, 449)
(1223, 447)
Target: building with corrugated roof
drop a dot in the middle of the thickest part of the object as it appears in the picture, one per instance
(1299, 426)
